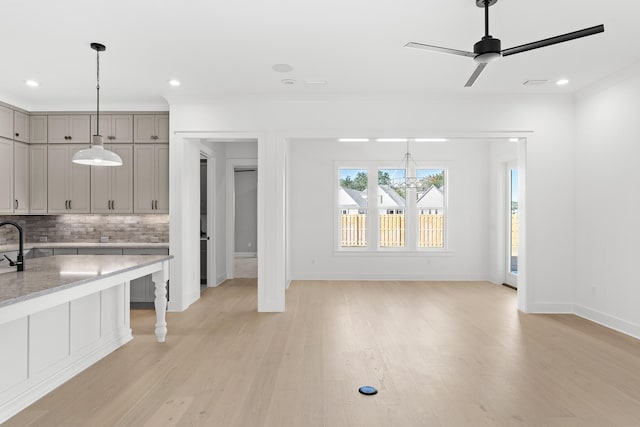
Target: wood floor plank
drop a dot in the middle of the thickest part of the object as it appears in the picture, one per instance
(440, 354)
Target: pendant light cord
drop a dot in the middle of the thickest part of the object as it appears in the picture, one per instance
(98, 93)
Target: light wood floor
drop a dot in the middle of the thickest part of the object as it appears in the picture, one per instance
(441, 354)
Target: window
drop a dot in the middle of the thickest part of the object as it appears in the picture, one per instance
(430, 208)
(391, 205)
(353, 187)
(393, 217)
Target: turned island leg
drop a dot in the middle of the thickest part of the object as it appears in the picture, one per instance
(159, 279)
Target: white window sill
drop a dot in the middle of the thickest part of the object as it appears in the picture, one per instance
(394, 253)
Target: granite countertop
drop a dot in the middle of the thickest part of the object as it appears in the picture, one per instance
(51, 274)
(27, 246)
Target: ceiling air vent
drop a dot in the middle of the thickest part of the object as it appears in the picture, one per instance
(535, 82)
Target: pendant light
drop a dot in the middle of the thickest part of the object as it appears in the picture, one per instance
(97, 155)
(409, 182)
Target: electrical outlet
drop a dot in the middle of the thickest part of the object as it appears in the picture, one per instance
(3, 241)
(104, 239)
(43, 239)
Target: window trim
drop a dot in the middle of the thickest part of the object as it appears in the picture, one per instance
(373, 221)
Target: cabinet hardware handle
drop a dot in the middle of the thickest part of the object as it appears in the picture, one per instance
(66, 204)
(17, 134)
(70, 137)
(156, 205)
(70, 205)
(16, 204)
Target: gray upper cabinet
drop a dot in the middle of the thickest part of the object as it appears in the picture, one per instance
(151, 179)
(69, 129)
(112, 188)
(7, 202)
(20, 126)
(6, 122)
(38, 179)
(20, 177)
(151, 128)
(38, 130)
(67, 182)
(115, 128)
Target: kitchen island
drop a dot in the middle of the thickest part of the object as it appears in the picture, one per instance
(63, 314)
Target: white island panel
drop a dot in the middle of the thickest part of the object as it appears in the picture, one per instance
(14, 355)
(48, 338)
(85, 322)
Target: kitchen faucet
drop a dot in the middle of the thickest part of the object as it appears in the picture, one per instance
(20, 260)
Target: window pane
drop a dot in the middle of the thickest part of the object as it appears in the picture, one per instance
(430, 208)
(391, 203)
(352, 201)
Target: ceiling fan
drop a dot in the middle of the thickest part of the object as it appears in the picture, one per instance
(489, 48)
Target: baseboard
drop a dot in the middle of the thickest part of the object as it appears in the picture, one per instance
(551, 308)
(245, 254)
(611, 322)
(358, 276)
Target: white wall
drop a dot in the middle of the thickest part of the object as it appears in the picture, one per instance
(312, 184)
(607, 165)
(547, 122)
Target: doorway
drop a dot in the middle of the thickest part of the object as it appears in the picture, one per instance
(245, 222)
(206, 228)
(513, 223)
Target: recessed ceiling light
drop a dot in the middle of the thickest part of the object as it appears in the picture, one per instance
(431, 139)
(282, 68)
(316, 82)
(174, 82)
(289, 82)
(32, 83)
(514, 139)
(391, 139)
(353, 139)
(562, 82)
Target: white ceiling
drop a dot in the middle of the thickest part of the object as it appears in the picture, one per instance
(228, 47)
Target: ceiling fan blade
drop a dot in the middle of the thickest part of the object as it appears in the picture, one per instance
(439, 49)
(475, 74)
(554, 40)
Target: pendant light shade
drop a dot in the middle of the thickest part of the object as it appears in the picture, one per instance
(97, 155)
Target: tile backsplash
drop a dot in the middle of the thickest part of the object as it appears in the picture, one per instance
(88, 228)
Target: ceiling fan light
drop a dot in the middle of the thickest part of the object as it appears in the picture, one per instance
(487, 57)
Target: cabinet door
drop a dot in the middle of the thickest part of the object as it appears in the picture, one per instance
(20, 126)
(162, 128)
(162, 176)
(38, 129)
(21, 177)
(144, 179)
(57, 171)
(101, 187)
(6, 176)
(144, 128)
(122, 180)
(38, 179)
(6, 122)
(79, 129)
(79, 182)
(58, 129)
(122, 129)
